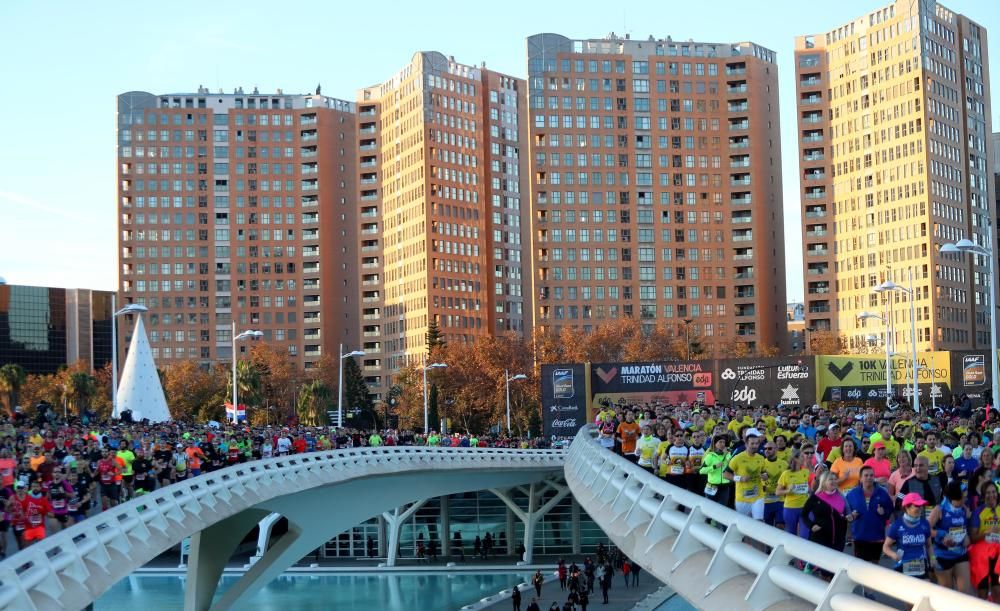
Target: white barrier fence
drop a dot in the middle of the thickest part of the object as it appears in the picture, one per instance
(666, 529)
(73, 567)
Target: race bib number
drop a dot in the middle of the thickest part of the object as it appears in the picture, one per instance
(993, 538)
(711, 490)
(58, 504)
(35, 519)
(677, 470)
(800, 489)
(106, 478)
(750, 493)
(914, 568)
(957, 535)
(73, 506)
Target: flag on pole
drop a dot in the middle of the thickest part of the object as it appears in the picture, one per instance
(235, 414)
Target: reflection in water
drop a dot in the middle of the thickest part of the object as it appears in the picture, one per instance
(389, 591)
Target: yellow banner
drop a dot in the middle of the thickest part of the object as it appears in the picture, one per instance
(861, 378)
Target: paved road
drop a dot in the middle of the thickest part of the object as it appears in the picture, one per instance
(620, 598)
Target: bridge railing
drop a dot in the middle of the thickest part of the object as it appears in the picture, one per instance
(77, 557)
(662, 522)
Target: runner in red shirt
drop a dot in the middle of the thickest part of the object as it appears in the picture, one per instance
(36, 507)
(15, 512)
(108, 476)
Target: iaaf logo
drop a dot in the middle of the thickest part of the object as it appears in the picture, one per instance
(564, 424)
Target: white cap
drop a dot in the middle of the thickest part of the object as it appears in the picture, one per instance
(751, 432)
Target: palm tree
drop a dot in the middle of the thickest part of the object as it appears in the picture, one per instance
(249, 383)
(81, 389)
(314, 397)
(12, 379)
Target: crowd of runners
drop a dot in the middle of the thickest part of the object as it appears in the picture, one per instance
(920, 490)
(54, 474)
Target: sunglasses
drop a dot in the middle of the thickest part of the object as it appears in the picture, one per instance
(809, 453)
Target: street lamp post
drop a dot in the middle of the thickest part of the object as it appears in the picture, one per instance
(248, 334)
(687, 336)
(508, 379)
(966, 245)
(132, 308)
(888, 352)
(340, 382)
(425, 368)
(889, 285)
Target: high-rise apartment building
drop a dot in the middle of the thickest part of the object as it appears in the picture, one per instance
(656, 187)
(439, 189)
(238, 206)
(893, 113)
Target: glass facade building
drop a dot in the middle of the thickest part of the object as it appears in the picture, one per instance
(45, 328)
(566, 529)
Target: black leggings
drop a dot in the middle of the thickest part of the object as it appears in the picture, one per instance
(869, 551)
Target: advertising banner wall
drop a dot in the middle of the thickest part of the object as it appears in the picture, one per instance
(789, 381)
(673, 382)
(971, 374)
(863, 378)
(564, 399)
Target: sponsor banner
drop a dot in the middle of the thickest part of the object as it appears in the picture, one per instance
(564, 399)
(863, 378)
(971, 373)
(788, 381)
(653, 382)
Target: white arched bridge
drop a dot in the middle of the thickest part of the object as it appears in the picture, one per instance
(707, 553)
(320, 493)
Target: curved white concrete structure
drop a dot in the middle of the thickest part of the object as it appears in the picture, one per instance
(666, 530)
(321, 494)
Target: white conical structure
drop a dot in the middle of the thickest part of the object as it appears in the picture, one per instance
(140, 389)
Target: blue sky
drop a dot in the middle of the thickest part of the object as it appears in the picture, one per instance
(65, 61)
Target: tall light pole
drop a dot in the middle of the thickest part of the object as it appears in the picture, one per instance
(340, 382)
(966, 245)
(508, 379)
(132, 308)
(687, 336)
(425, 368)
(889, 285)
(888, 352)
(248, 334)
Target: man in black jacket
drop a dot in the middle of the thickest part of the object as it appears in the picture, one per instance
(929, 487)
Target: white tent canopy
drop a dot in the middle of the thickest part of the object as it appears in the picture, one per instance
(140, 389)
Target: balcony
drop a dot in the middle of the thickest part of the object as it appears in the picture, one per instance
(819, 290)
(813, 157)
(815, 175)
(816, 194)
(736, 89)
(373, 265)
(310, 301)
(815, 213)
(816, 233)
(743, 275)
(743, 235)
(818, 252)
(739, 182)
(311, 334)
(370, 334)
(310, 234)
(812, 99)
(310, 251)
(812, 118)
(819, 309)
(741, 201)
(374, 316)
(736, 71)
(307, 120)
(311, 268)
(367, 111)
(312, 351)
(738, 219)
(740, 107)
(739, 143)
(747, 310)
(745, 293)
(311, 317)
(739, 125)
(810, 138)
(817, 271)
(310, 185)
(810, 82)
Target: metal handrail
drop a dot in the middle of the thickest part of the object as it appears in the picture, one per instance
(624, 499)
(60, 561)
